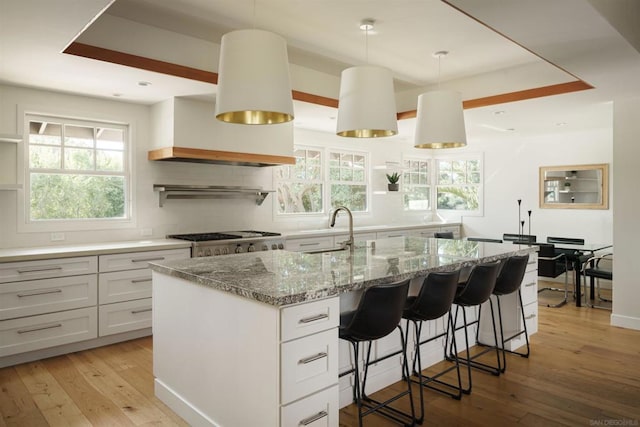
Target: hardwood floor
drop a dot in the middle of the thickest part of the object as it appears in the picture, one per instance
(582, 371)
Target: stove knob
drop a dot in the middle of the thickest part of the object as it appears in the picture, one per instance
(207, 252)
(280, 246)
(251, 248)
(216, 251)
(265, 247)
(239, 249)
(274, 246)
(224, 251)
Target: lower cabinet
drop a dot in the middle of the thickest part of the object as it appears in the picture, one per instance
(124, 316)
(55, 306)
(47, 330)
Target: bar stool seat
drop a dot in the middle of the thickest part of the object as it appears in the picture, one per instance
(433, 301)
(378, 314)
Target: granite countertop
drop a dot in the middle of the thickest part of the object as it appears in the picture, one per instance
(283, 277)
(86, 249)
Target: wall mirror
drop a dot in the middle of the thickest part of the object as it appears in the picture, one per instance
(574, 186)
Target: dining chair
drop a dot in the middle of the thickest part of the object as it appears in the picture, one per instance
(443, 235)
(552, 264)
(594, 271)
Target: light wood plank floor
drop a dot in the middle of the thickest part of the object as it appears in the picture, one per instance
(582, 372)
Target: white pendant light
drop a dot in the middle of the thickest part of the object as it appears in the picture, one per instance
(440, 118)
(367, 106)
(253, 79)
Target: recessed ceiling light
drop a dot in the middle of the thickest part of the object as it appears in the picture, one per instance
(144, 83)
(499, 112)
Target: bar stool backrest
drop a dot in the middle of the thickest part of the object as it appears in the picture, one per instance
(565, 240)
(480, 285)
(435, 297)
(511, 275)
(379, 311)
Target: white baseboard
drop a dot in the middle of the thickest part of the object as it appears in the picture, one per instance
(180, 406)
(625, 321)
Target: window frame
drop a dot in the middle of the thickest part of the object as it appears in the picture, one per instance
(428, 185)
(480, 187)
(26, 224)
(326, 182)
(291, 168)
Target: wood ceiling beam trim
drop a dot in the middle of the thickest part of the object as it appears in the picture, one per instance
(121, 58)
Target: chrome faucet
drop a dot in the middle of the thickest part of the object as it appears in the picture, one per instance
(350, 243)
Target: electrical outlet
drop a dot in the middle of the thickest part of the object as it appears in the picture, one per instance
(57, 237)
(146, 232)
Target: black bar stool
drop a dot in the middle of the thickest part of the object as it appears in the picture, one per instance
(509, 281)
(443, 235)
(378, 314)
(473, 293)
(433, 301)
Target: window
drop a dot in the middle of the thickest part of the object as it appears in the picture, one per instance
(459, 184)
(299, 188)
(313, 185)
(77, 170)
(416, 185)
(348, 180)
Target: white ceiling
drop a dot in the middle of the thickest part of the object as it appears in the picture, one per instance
(557, 42)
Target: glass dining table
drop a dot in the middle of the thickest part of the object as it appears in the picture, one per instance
(577, 254)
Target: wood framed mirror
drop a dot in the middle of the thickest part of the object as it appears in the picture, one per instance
(574, 186)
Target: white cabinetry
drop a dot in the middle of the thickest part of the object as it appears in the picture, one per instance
(125, 289)
(249, 339)
(47, 303)
(55, 306)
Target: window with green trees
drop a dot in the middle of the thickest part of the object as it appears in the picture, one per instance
(459, 184)
(78, 170)
(416, 185)
(314, 185)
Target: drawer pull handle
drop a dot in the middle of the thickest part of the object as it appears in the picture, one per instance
(530, 317)
(394, 235)
(32, 294)
(312, 358)
(38, 269)
(144, 310)
(309, 244)
(158, 258)
(530, 284)
(313, 418)
(140, 280)
(314, 318)
(40, 328)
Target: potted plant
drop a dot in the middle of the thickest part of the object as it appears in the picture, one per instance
(393, 181)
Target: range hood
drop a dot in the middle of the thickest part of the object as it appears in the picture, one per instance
(186, 130)
(196, 155)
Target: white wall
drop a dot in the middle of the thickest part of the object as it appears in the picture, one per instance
(511, 173)
(626, 233)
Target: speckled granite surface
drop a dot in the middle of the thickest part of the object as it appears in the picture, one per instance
(283, 277)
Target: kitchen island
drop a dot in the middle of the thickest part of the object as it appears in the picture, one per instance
(252, 339)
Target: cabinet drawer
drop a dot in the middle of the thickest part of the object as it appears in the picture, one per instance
(137, 260)
(360, 238)
(388, 234)
(531, 317)
(117, 286)
(124, 316)
(532, 264)
(47, 269)
(311, 244)
(529, 288)
(309, 364)
(424, 232)
(47, 330)
(32, 297)
(309, 318)
(318, 410)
